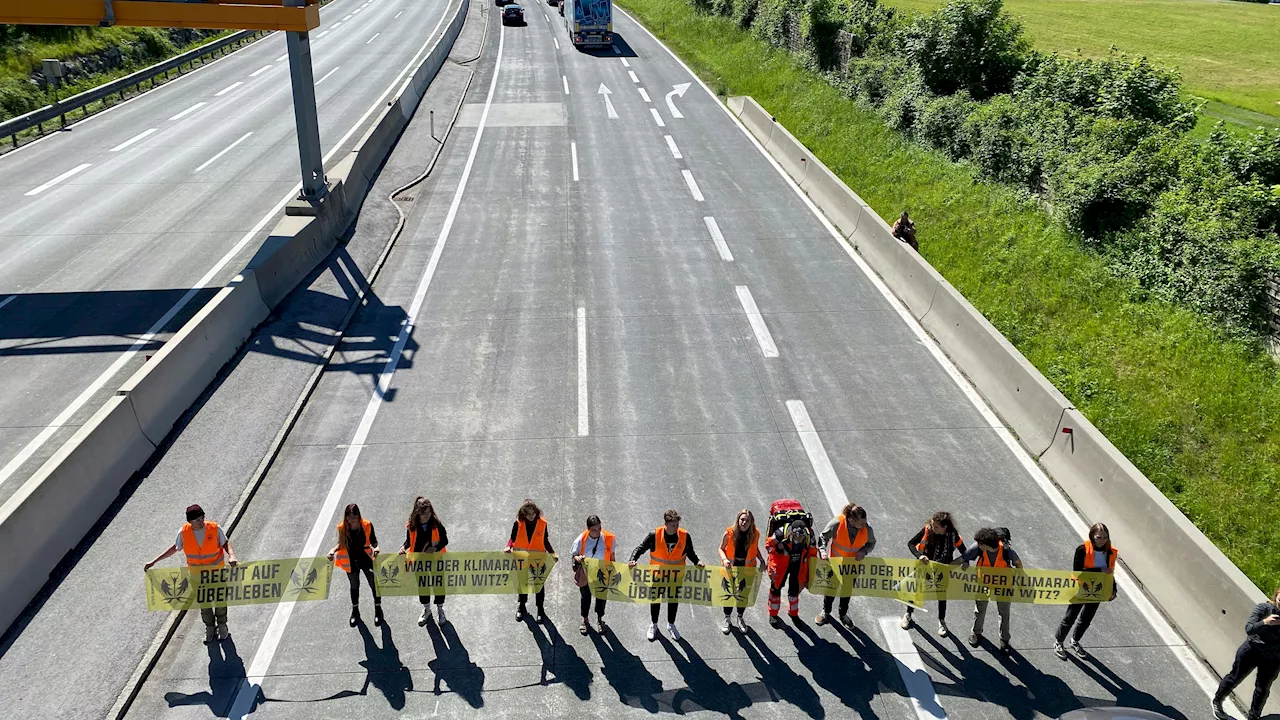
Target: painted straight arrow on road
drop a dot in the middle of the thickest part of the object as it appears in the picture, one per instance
(671, 105)
(608, 104)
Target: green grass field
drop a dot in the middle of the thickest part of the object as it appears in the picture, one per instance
(1228, 52)
(1198, 413)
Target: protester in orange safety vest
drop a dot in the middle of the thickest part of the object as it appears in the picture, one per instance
(424, 533)
(991, 549)
(847, 536)
(357, 547)
(790, 549)
(740, 547)
(1095, 554)
(937, 542)
(205, 546)
(596, 543)
(669, 546)
(529, 533)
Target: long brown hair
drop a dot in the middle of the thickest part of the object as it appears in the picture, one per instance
(419, 504)
(1096, 527)
(738, 534)
(526, 505)
(353, 510)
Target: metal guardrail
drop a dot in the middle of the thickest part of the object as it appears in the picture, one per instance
(58, 110)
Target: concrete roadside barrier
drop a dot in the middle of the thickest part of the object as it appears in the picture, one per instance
(793, 156)
(759, 122)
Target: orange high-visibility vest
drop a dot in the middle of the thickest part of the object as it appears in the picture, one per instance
(413, 537)
(1112, 554)
(753, 547)
(202, 552)
(537, 543)
(999, 561)
(660, 555)
(841, 545)
(608, 543)
(340, 558)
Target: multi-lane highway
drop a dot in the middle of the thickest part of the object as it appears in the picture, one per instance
(115, 232)
(615, 304)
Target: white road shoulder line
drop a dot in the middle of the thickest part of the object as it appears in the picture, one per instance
(327, 76)
(228, 88)
(671, 144)
(693, 185)
(70, 173)
(133, 139)
(760, 329)
(919, 685)
(260, 70)
(644, 94)
(656, 117)
(573, 154)
(584, 424)
(716, 237)
(224, 151)
(247, 695)
(188, 111)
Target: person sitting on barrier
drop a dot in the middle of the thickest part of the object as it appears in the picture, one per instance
(740, 547)
(905, 230)
(205, 546)
(668, 546)
(789, 549)
(991, 548)
(596, 543)
(356, 532)
(529, 533)
(1261, 651)
(847, 536)
(1095, 554)
(424, 533)
(937, 542)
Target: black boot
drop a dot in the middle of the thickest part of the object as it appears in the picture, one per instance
(355, 615)
(377, 615)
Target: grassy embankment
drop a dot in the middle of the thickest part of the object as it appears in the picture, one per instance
(1199, 414)
(1228, 52)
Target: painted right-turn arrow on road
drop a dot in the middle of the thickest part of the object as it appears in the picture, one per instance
(671, 104)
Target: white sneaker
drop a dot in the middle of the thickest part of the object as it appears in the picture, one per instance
(675, 634)
(1060, 651)
(1074, 646)
(425, 616)
(725, 628)
(440, 614)
(653, 633)
(942, 630)
(742, 623)
(906, 621)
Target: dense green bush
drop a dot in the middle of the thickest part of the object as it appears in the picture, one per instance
(967, 45)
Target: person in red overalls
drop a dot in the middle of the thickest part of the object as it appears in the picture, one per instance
(789, 551)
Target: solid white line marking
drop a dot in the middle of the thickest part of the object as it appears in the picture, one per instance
(326, 76)
(557, 42)
(133, 139)
(188, 111)
(644, 94)
(224, 151)
(716, 237)
(565, 80)
(375, 37)
(228, 88)
(634, 79)
(6, 301)
(624, 62)
(573, 153)
(693, 184)
(584, 425)
(260, 70)
(919, 685)
(73, 171)
(818, 460)
(398, 14)
(257, 670)
(759, 328)
(671, 143)
(656, 117)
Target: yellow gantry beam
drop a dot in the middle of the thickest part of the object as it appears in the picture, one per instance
(242, 15)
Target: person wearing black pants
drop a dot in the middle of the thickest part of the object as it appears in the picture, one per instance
(1260, 651)
(595, 543)
(669, 545)
(1095, 554)
(424, 533)
(529, 534)
(740, 547)
(356, 532)
(937, 542)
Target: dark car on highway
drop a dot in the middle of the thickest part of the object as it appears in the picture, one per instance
(513, 15)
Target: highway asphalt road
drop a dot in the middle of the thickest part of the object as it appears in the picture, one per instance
(114, 233)
(614, 308)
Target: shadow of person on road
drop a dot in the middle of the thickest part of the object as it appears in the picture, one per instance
(453, 667)
(705, 689)
(562, 660)
(226, 673)
(835, 669)
(783, 683)
(1125, 694)
(626, 673)
(383, 668)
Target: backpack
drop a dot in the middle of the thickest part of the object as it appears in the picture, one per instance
(783, 512)
(1005, 536)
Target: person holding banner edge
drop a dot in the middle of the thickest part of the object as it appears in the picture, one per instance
(596, 543)
(937, 542)
(740, 547)
(1095, 554)
(205, 546)
(1260, 651)
(991, 549)
(529, 534)
(847, 536)
(790, 549)
(669, 545)
(424, 533)
(355, 531)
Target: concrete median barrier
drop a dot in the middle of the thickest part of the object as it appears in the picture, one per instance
(759, 122)
(56, 507)
(793, 156)
(842, 207)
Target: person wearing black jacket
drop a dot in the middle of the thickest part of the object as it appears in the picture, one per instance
(1095, 554)
(937, 542)
(1260, 651)
(424, 533)
(676, 545)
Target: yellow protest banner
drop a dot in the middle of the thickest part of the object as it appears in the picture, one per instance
(462, 573)
(1039, 587)
(914, 582)
(909, 581)
(248, 583)
(714, 586)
